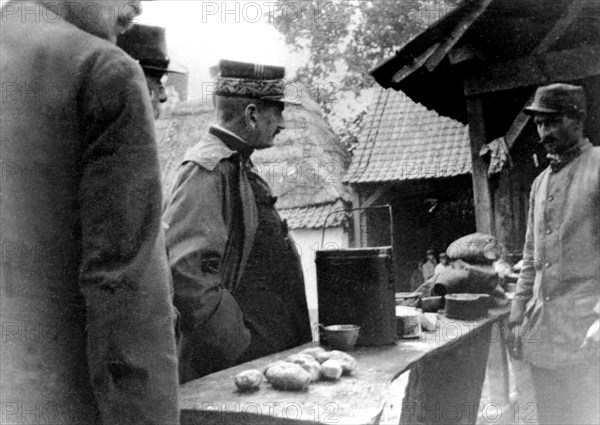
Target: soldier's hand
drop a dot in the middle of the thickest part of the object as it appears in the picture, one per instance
(517, 312)
(514, 340)
(591, 343)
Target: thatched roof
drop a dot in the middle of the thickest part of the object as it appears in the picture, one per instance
(304, 168)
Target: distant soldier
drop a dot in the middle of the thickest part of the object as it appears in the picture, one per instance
(428, 267)
(444, 264)
(237, 276)
(148, 45)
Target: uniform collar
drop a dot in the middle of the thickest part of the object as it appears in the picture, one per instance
(557, 162)
(232, 141)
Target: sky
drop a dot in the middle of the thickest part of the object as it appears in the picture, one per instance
(199, 33)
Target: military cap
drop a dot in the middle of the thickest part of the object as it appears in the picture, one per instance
(558, 99)
(250, 80)
(147, 45)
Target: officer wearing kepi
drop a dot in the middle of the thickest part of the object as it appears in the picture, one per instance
(237, 276)
(148, 45)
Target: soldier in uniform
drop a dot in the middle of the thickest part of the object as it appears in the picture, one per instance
(237, 276)
(148, 45)
(556, 306)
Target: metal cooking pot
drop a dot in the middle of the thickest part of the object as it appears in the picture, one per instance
(467, 306)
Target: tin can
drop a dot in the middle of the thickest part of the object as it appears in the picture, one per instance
(409, 322)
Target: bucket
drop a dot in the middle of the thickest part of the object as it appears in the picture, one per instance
(356, 285)
(467, 306)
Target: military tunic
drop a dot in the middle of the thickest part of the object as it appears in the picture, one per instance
(558, 287)
(271, 293)
(237, 280)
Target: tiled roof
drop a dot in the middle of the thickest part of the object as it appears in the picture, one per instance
(402, 140)
(313, 217)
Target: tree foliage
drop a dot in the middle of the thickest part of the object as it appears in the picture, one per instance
(342, 40)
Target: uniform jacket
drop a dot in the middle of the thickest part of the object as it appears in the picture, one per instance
(558, 288)
(85, 289)
(211, 221)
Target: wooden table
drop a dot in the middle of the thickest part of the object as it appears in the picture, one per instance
(356, 399)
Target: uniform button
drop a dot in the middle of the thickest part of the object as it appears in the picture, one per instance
(547, 298)
(551, 198)
(548, 231)
(547, 265)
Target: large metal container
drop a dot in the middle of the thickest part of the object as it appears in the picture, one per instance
(356, 286)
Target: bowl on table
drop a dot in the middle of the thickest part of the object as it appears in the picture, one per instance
(340, 337)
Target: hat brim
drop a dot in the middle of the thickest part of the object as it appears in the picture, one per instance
(284, 100)
(165, 70)
(537, 109)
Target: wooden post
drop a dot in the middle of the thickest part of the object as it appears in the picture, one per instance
(484, 213)
(356, 219)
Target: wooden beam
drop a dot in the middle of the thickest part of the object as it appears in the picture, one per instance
(455, 35)
(416, 63)
(561, 26)
(551, 37)
(565, 65)
(376, 195)
(359, 217)
(484, 213)
(356, 219)
(463, 53)
(517, 126)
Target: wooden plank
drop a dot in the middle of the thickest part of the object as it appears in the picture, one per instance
(517, 126)
(454, 36)
(504, 356)
(356, 219)
(463, 53)
(416, 63)
(565, 65)
(551, 37)
(561, 26)
(362, 215)
(484, 212)
(376, 195)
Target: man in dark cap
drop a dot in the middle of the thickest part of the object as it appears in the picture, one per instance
(85, 282)
(148, 45)
(555, 311)
(238, 279)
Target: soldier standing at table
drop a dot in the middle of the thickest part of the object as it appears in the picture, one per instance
(86, 281)
(556, 303)
(148, 45)
(237, 276)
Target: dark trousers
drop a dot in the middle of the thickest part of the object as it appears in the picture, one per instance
(567, 395)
